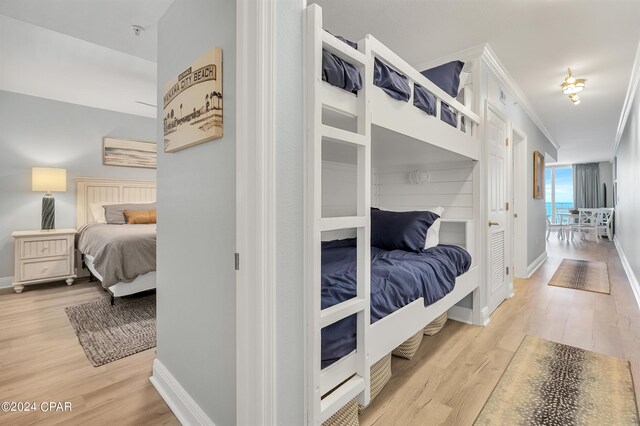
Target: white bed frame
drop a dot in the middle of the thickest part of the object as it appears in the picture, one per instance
(330, 389)
(104, 190)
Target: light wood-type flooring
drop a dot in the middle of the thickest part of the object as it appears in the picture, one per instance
(41, 360)
(447, 382)
(454, 372)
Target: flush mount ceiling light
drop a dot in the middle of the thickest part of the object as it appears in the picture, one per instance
(572, 86)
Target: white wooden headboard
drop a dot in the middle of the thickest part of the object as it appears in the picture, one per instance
(106, 190)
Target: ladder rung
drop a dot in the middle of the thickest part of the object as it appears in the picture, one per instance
(342, 310)
(338, 100)
(342, 49)
(343, 136)
(338, 372)
(344, 222)
(339, 397)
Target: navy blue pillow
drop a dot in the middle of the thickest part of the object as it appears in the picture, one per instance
(448, 115)
(424, 99)
(446, 76)
(400, 230)
(340, 73)
(391, 81)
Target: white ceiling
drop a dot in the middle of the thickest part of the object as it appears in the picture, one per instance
(536, 40)
(43, 63)
(82, 51)
(103, 22)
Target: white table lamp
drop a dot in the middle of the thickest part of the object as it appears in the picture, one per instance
(48, 180)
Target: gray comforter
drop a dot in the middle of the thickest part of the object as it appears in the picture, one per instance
(120, 252)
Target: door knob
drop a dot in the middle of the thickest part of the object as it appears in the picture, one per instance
(493, 223)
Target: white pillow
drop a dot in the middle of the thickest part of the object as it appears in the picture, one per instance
(97, 211)
(433, 233)
(464, 76)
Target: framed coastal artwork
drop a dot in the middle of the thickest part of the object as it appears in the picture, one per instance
(192, 103)
(128, 153)
(538, 175)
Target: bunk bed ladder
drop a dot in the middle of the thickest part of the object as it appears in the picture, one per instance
(357, 383)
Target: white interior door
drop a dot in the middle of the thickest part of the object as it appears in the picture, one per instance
(498, 259)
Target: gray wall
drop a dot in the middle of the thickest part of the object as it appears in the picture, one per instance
(290, 320)
(536, 141)
(41, 132)
(196, 222)
(628, 179)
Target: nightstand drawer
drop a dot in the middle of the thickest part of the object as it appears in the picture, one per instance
(38, 248)
(39, 269)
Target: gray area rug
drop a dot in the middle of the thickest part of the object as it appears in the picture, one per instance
(582, 275)
(108, 333)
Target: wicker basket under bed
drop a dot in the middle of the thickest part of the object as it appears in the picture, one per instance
(380, 375)
(436, 325)
(410, 346)
(348, 415)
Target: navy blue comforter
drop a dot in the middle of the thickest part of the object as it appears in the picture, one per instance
(397, 279)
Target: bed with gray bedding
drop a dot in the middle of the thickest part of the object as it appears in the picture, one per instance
(120, 252)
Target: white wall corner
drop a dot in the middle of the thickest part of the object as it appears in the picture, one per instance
(183, 406)
(533, 267)
(628, 101)
(6, 282)
(494, 64)
(633, 280)
(486, 319)
(461, 314)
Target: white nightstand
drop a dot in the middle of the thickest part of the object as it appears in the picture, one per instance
(43, 256)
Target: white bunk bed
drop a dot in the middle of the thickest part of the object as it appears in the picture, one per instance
(331, 388)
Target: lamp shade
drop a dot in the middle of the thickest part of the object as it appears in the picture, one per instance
(48, 179)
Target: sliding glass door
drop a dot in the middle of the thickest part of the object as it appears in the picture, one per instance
(558, 191)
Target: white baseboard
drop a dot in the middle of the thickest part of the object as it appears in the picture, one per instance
(461, 314)
(183, 406)
(536, 264)
(633, 280)
(6, 282)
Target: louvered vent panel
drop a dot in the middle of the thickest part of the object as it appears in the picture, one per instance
(497, 260)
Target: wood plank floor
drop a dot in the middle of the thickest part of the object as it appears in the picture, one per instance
(447, 382)
(41, 360)
(454, 372)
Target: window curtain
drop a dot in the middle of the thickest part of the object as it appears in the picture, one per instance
(586, 185)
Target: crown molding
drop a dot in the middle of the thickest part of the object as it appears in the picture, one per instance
(628, 101)
(486, 54)
(492, 61)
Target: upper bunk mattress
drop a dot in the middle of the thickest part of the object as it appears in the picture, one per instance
(397, 279)
(121, 252)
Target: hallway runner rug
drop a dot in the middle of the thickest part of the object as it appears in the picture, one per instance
(582, 275)
(108, 333)
(547, 383)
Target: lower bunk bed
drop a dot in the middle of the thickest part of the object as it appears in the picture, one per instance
(411, 292)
